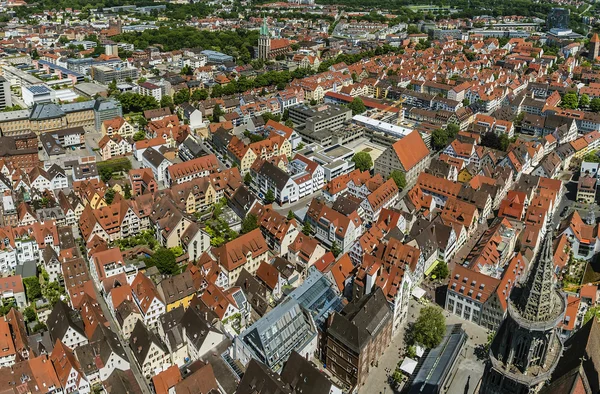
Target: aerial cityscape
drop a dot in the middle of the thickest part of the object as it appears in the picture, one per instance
(299, 197)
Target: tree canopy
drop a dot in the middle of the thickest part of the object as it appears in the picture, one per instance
(362, 161)
(569, 101)
(430, 327)
(249, 223)
(494, 141)
(135, 102)
(399, 178)
(165, 260)
(357, 106)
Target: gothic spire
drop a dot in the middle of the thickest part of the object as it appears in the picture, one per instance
(264, 29)
(538, 297)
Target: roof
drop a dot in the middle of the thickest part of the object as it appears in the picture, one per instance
(410, 150)
(141, 340)
(472, 284)
(201, 381)
(233, 253)
(303, 376)
(61, 318)
(166, 379)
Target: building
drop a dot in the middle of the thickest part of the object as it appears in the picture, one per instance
(65, 324)
(586, 190)
(558, 18)
(286, 328)
(527, 346)
(269, 48)
(149, 350)
(409, 155)
(357, 336)
(333, 227)
(106, 74)
(5, 97)
(330, 117)
(594, 47)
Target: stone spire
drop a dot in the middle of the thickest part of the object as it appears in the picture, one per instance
(537, 302)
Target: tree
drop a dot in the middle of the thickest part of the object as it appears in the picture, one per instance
(398, 177)
(336, 249)
(269, 197)
(167, 101)
(217, 112)
(290, 215)
(247, 179)
(181, 96)
(140, 135)
(429, 328)
(452, 130)
(439, 139)
(199, 95)
(289, 123)
(307, 229)
(33, 289)
(569, 101)
(127, 191)
(109, 195)
(30, 314)
(584, 101)
(595, 104)
(165, 260)
(362, 161)
(249, 223)
(357, 106)
(440, 271)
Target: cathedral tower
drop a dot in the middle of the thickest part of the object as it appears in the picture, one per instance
(264, 41)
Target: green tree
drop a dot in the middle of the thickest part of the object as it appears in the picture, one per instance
(109, 195)
(29, 313)
(217, 113)
(165, 260)
(269, 197)
(336, 249)
(249, 223)
(399, 178)
(307, 228)
(290, 215)
(127, 191)
(584, 101)
(181, 96)
(357, 106)
(167, 101)
(569, 101)
(140, 135)
(595, 104)
(362, 161)
(452, 130)
(411, 351)
(199, 95)
(439, 139)
(248, 179)
(440, 271)
(429, 328)
(289, 123)
(33, 289)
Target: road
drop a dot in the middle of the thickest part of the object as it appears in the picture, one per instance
(115, 328)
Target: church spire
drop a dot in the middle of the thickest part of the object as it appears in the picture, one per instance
(537, 302)
(264, 29)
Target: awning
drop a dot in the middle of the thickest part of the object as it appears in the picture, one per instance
(418, 293)
(432, 267)
(408, 365)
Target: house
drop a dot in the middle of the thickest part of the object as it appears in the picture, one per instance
(149, 351)
(12, 289)
(65, 325)
(583, 237)
(278, 230)
(332, 227)
(408, 155)
(8, 353)
(113, 146)
(147, 299)
(154, 160)
(177, 290)
(356, 337)
(247, 251)
(384, 196)
(271, 278)
(188, 170)
(68, 369)
(100, 358)
(304, 252)
(118, 126)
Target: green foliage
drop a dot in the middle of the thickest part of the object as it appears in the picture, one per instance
(181, 96)
(249, 223)
(164, 259)
(199, 95)
(167, 101)
(177, 251)
(29, 314)
(411, 351)
(108, 168)
(145, 237)
(33, 289)
(15, 107)
(494, 141)
(269, 116)
(109, 195)
(569, 101)
(441, 271)
(127, 191)
(39, 327)
(217, 113)
(452, 130)
(584, 101)
(253, 137)
(357, 106)
(248, 179)
(269, 197)
(399, 178)
(289, 123)
(307, 228)
(592, 157)
(439, 139)
(591, 312)
(429, 328)
(362, 161)
(290, 215)
(52, 292)
(217, 228)
(135, 102)
(335, 249)
(595, 104)
(140, 135)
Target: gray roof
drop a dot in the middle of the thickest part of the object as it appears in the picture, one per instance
(304, 377)
(27, 270)
(60, 319)
(279, 177)
(43, 111)
(258, 378)
(255, 291)
(154, 157)
(196, 327)
(140, 341)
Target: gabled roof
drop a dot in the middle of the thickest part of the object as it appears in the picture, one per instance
(233, 253)
(410, 150)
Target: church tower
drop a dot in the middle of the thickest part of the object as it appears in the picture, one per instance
(527, 346)
(264, 41)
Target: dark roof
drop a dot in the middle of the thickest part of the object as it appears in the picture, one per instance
(255, 291)
(154, 157)
(258, 378)
(196, 327)
(61, 318)
(303, 377)
(346, 204)
(242, 200)
(140, 342)
(276, 174)
(122, 382)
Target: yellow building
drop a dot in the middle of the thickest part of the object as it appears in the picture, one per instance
(177, 290)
